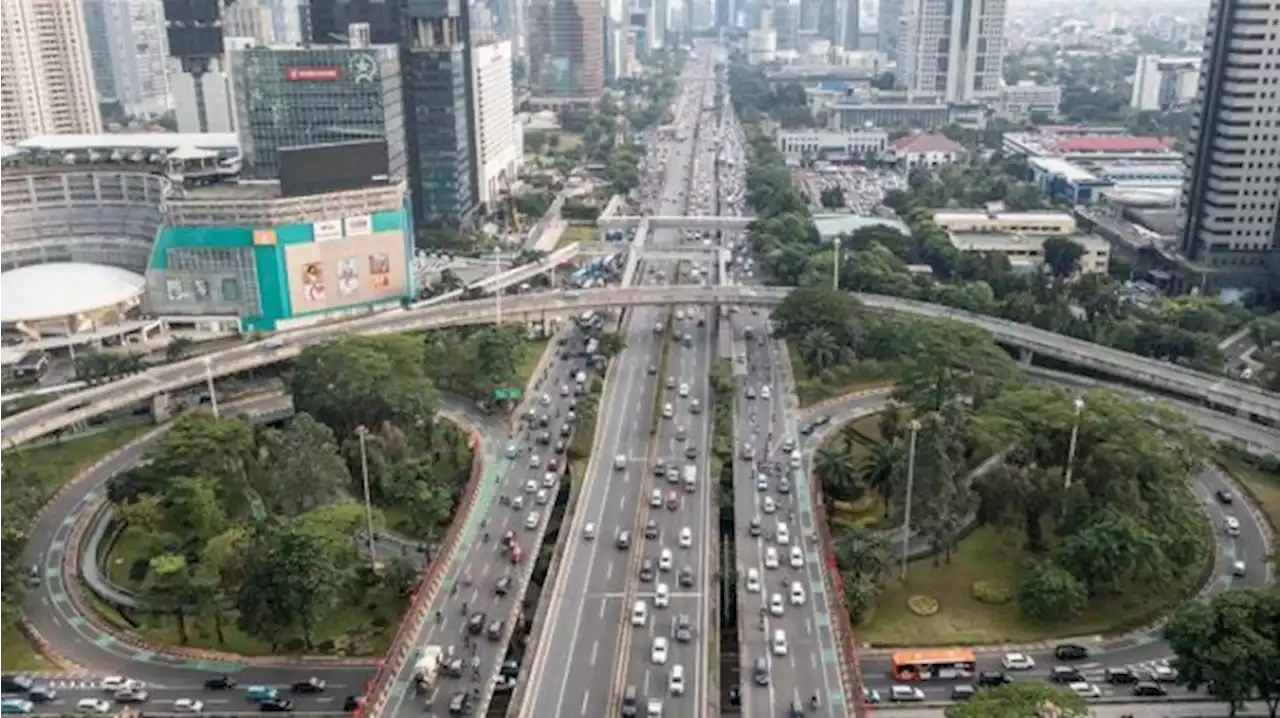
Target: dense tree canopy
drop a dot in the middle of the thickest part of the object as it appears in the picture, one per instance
(1021, 699)
(1230, 646)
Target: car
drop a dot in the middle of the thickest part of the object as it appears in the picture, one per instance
(188, 705)
(653, 708)
(899, 693)
(782, 534)
(623, 540)
(765, 392)
(651, 529)
(535, 462)
(665, 560)
(1149, 689)
(684, 390)
(1084, 689)
(762, 482)
(1120, 676)
(494, 630)
(1239, 569)
(543, 497)
(695, 406)
(43, 693)
(1070, 652)
(655, 499)
(532, 520)
(755, 527)
(775, 604)
(517, 502)
(475, 624)
(662, 596)
(753, 580)
(16, 706)
(770, 557)
(1163, 674)
(460, 703)
(658, 653)
(502, 585)
(784, 485)
(589, 531)
(779, 642)
(531, 487)
(111, 684)
(684, 628)
(797, 594)
(797, 557)
(673, 500)
(549, 480)
(131, 695)
(686, 537)
(768, 505)
(1017, 662)
(751, 392)
(962, 692)
(686, 577)
(668, 411)
(260, 693)
(994, 679)
(1231, 526)
(1065, 674)
(220, 683)
(646, 570)
(311, 685)
(1225, 496)
(276, 705)
(92, 705)
(691, 452)
(675, 680)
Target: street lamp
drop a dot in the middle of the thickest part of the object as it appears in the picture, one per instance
(208, 378)
(914, 426)
(835, 272)
(363, 433)
(1071, 448)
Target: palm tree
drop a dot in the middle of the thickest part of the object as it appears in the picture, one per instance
(835, 469)
(819, 349)
(882, 469)
(861, 553)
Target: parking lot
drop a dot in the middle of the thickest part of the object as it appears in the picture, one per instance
(864, 189)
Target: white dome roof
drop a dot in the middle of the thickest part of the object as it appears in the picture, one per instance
(49, 291)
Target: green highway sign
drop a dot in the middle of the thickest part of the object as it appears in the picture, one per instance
(508, 393)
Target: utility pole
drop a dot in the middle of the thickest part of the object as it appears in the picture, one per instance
(835, 272)
(1071, 448)
(363, 433)
(497, 269)
(208, 379)
(914, 426)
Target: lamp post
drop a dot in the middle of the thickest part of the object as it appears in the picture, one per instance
(835, 271)
(497, 269)
(1071, 448)
(363, 433)
(914, 426)
(208, 379)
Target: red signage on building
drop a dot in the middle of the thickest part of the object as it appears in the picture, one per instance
(302, 73)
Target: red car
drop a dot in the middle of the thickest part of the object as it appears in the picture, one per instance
(673, 500)
(517, 553)
(508, 539)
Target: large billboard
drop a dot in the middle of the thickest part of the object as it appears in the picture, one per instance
(313, 169)
(334, 271)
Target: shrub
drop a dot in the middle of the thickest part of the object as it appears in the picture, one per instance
(923, 605)
(995, 593)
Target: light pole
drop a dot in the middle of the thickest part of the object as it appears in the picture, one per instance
(497, 269)
(835, 272)
(208, 378)
(1071, 448)
(363, 433)
(914, 426)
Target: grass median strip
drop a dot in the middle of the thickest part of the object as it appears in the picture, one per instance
(667, 334)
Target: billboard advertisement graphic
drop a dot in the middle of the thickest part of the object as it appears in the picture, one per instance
(354, 270)
(359, 226)
(348, 277)
(305, 73)
(327, 230)
(313, 288)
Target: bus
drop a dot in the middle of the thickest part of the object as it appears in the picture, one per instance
(941, 664)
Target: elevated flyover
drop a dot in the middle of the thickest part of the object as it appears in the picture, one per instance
(718, 223)
(1210, 390)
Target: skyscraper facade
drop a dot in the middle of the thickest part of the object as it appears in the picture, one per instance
(566, 48)
(1231, 198)
(47, 85)
(137, 51)
(499, 141)
(889, 27)
(953, 49)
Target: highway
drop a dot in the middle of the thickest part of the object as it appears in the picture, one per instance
(588, 648)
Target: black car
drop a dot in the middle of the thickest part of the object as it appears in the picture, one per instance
(16, 684)
(311, 685)
(1070, 652)
(475, 624)
(502, 585)
(351, 703)
(993, 679)
(962, 692)
(544, 438)
(691, 452)
(796, 710)
(651, 529)
(509, 669)
(754, 529)
(1065, 674)
(1121, 676)
(735, 696)
(221, 683)
(686, 577)
(1225, 496)
(1149, 688)
(276, 705)
(624, 540)
(684, 629)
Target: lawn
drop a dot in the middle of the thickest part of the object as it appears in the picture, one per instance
(18, 653)
(577, 233)
(992, 555)
(836, 382)
(1264, 486)
(533, 351)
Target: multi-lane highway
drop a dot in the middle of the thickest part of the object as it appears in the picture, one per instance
(589, 653)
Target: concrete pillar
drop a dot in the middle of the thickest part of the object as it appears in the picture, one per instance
(1026, 355)
(160, 409)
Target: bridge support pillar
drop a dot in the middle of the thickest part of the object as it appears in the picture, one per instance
(161, 410)
(1026, 355)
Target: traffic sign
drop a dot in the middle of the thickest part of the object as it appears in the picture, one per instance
(507, 393)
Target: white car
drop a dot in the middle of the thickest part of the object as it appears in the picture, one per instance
(532, 520)
(779, 642)
(543, 496)
(665, 560)
(1085, 690)
(531, 487)
(797, 594)
(783, 533)
(797, 557)
(675, 682)
(188, 705)
(659, 652)
(111, 684)
(899, 693)
(771, 557)
(686, 537)
(684, 390)
(1017, 662)
(589, 531)
(775, 604)
(662, 596)
(768, 506)
(765, 392)
(535, 462)
(1232, 526)
(668, 411)
(762, 482)
(548, 480)
(92, 705)
(653, 709)
(753, 581)
(655, 499)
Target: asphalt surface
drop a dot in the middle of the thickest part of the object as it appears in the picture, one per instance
(462, 616)
(589, 649)
(805, 662)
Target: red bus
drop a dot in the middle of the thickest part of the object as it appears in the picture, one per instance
(934, 664)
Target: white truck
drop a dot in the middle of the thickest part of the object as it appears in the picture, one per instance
(427, 668)
(690, 478)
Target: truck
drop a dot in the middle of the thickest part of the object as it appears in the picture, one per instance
(690, 478)
(427, 669)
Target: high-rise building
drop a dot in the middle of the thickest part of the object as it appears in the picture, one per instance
(129, 53)
(1231, 198)
(953, 49)
(889, 27)
(566, 49)
(1160, 83)
(850, 25)
(318, 95)
(499, 138)
(97, 33)
(810, 11)
(661, 19)
(47, 85)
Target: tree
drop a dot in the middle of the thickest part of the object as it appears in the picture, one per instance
(951, 359)
(169, 583)
(1021, 699)
(305, 469)
(943, 502)
(832, 198)
(863, 558)
(292, 579)
(836, 471)
(1062, 256)
(611, 344)
(178, 348)
(1230, 646)
(1050, 592)
(884, 469)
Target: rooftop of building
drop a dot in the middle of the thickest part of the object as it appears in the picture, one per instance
(1062, 168)
(835, 224)
(1111, 143)
(927, 143)
(63, 289)
(241, 190)
(146, 141)
(959, 215)
(1012, 242)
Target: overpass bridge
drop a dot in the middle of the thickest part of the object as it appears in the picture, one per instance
(802, 73)
(694, 253)
(1212, 391)
(720, 223)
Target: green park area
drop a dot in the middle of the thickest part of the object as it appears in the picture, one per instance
(577, 233)
(189, 535)
(32, 475)
(1012, 553)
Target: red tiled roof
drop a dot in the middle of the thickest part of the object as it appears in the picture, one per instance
(1112, 143)
(927, 143)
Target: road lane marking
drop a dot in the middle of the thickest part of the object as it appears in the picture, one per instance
(586, 696)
